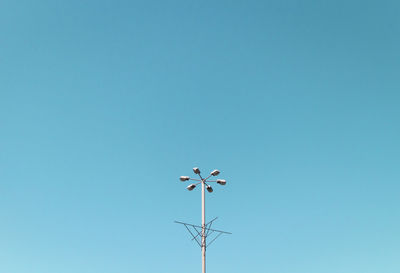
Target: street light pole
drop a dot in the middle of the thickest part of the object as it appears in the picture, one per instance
(205, 228)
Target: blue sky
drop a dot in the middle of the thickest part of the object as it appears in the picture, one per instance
(104, 104)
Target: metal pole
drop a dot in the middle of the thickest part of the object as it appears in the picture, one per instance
(204, 230)
(203, 227)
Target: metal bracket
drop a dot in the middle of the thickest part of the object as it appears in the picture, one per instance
(208, 231)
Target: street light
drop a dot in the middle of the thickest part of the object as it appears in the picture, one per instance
(204, 185)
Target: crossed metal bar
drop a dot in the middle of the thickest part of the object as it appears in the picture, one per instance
(198, 229)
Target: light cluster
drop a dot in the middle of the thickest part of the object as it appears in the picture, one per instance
(203, 180)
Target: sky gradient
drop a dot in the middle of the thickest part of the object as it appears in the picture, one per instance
(104, 104)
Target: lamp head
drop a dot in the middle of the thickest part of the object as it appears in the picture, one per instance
(191, 187)
(184, 178)
(221, 182)
(209, 189)
(196, 170)
(215, 173)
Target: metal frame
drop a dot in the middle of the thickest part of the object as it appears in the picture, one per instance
(198, 230)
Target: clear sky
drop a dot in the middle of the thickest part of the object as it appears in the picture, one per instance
(104, 104)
